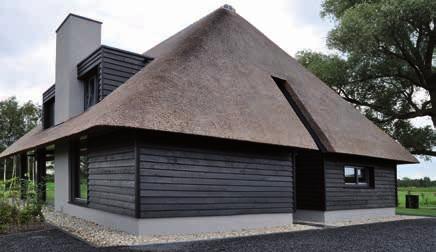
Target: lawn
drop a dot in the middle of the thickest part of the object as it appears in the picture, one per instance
(427, 201)
(50, 189)
(50, 193)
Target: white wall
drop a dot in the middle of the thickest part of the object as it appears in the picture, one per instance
(61, 177)
(334, 217)
(76, 39)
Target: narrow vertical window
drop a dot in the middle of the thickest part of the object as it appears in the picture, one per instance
(80, 171)
(48, 113)
(90, 91)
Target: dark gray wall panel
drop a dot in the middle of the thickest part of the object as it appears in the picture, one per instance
(112, 173)
(309, 181)
(189, 181)
(49, 93)
(114, 67)
(341, 197)
(117, 67)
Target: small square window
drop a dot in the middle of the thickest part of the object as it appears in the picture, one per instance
(357, 175)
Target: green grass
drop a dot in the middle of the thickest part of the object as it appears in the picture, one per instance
(427, 201)
(50, 189)
(50, 192)
(417, 189)
(431, 212)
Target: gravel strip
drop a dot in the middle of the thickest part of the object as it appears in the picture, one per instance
(377, 220)
(43, 241)
(100, 236)
(396, 236)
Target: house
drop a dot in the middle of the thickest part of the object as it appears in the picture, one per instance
(215, 128)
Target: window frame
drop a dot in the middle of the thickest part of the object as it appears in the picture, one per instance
(87, 103)
(368, 174)
(48, 113)
(75, 154)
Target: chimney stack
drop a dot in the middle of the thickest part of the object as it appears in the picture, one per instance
(76, 38)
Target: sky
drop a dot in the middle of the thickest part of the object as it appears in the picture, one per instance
(27, 40)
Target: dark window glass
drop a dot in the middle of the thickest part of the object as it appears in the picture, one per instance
(80, 178)
(91, 91)
(48, 113)
(362, 176)
(350, 177)
(356, 175)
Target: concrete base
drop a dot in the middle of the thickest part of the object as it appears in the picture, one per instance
(185, 225)
(332, 217)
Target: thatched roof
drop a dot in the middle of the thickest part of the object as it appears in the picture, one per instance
(214, 79)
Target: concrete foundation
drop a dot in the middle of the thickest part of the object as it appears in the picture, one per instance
(185, 225)
(332, 217)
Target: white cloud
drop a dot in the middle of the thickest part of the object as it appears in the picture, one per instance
(137, 26)
(27, 74)
(27, 44)
(424, 168)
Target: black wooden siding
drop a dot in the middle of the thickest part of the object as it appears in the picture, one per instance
(49, 93)
(114, 67)
(309, 180)
(48, 107)
(341, 197)
(112, 174)
(180, 182)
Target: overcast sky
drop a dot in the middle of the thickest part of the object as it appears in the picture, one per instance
(27, 40)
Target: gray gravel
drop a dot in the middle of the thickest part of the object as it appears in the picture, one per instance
(42, 241)
(406, 235)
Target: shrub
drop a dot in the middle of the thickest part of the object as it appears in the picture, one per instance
(15, 212)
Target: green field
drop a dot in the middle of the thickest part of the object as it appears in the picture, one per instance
(50, 193)
(50, 188)
(427, 201)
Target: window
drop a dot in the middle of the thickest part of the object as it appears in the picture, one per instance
(91, 91)
(48, 113)
(79, 167)
(360, 176)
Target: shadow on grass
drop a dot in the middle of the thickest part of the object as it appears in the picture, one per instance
(422, 211)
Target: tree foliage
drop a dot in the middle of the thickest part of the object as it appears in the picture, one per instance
(385, 64)
(16, 120)
(422, 182)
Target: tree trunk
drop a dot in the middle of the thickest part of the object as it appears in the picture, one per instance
(4, 174)
(433, 105)
(12, 184)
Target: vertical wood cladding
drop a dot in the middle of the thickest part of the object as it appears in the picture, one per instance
(112, 174)
(340, 196)
(309, 181)
(179, 181)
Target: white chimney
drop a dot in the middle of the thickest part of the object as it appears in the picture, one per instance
(76, 38)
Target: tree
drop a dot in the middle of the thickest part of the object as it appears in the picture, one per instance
(385, 64)
(15, 121)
